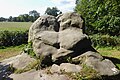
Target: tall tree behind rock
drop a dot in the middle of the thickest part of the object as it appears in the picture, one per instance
(33, 15)
(101, 16)
(53, 11)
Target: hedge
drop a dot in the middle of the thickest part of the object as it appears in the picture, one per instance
(105, 40)
(8, 38)
(13, 38)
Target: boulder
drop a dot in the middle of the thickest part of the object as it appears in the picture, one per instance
(61, 53)
(43, 23)
(19, 61)
(65, 67)
(73, 38)
(96, 61)
(38, 75)
(48, 37)
(41, 49)
(70, 19)
(61, 38)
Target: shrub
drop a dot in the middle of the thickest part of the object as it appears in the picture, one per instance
(105, 40)
(9, 38)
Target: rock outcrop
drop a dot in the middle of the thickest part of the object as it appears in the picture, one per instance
(59, 37)
(64, 37)
(63, 44)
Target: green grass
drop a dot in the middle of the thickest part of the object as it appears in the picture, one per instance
(109, 52)
(10, 51)
(15, 26)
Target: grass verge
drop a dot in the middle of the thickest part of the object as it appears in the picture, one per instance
(110, 53)
(8, 52)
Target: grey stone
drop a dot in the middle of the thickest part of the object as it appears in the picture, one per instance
(48, 37)
(68, 67)
(61, 53)
(43, 23)
(95, 60)
(73, 37)
(64, 37)
(65, 67)
(42, 49)
(38, 75)
(19, 61)
(70, 19)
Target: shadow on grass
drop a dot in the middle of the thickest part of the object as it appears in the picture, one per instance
(5, 72)
(115, 61)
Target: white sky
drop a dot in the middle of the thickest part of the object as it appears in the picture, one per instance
(17, 7)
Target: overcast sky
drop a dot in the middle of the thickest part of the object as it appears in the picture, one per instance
(16, 7)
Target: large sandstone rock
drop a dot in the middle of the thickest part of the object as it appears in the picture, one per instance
(43, 23)
(64, 37)
(59, 36)
(72, 38)
(96, 61)
(64, 45)
(65, 67)
(17, 62)
(38, 75)
(69, 20)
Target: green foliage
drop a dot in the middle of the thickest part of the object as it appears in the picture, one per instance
(101, 16)
(2, 19)
(29, 50)
(52, 11)
(8, 38)
(31, 17)
(105, 40)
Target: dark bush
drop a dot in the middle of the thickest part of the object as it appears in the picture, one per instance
(105, 40)
(9, 38)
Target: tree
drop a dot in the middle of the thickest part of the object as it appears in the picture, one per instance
(101, 16)
(33, 15)
(10, 19)
(52, 11)
(2, 19)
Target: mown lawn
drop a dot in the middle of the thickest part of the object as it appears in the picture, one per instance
(15, 26)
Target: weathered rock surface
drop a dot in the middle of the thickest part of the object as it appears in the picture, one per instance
(43, 23)
(38, 75)
(72, 38)
(64, 45)
(70, 19)
(65, 67)
(50, 35)
(18, 62)
(64, 37)
(96, 61)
